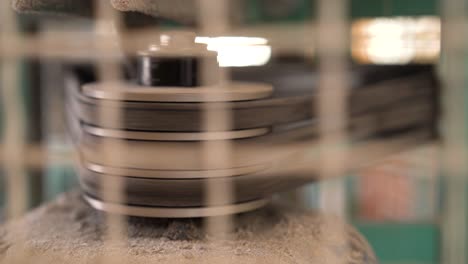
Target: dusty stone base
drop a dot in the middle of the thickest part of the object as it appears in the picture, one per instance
(67, 230)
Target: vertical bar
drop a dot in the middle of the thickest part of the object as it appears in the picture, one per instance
(454, 152)
(14, 141)
(332, 105)
(106, 30)
(213, 21)
(333, 34)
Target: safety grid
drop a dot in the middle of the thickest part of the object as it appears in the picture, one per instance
(331, 156)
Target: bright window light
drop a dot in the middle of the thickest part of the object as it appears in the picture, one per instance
(398, 40)
(239, 51)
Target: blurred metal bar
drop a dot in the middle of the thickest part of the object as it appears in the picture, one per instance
(37, 157)
(454, 152)
(58, 44)
(333, 44)
(213, 21)
(333, 32)
(14, 141)
(14, 127)
(108, 24)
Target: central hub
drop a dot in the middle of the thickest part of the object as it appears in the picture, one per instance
(174, 60)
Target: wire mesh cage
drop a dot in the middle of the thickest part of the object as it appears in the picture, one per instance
(233, 131)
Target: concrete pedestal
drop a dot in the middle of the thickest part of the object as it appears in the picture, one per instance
(67, 230)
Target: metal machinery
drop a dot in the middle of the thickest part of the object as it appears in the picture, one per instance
(162, 131)
(175, 131)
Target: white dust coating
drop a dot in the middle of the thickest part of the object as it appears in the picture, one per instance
(67, 230)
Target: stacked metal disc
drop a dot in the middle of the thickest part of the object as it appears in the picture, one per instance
(162, 131)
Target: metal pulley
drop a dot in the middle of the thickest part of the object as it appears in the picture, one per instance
(273, 131)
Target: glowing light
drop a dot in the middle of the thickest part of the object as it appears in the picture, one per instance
(239, 51)
(398, 40)
(153, 48)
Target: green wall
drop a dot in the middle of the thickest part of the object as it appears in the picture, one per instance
(257, 9)
(373, 8)
(403, 243)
